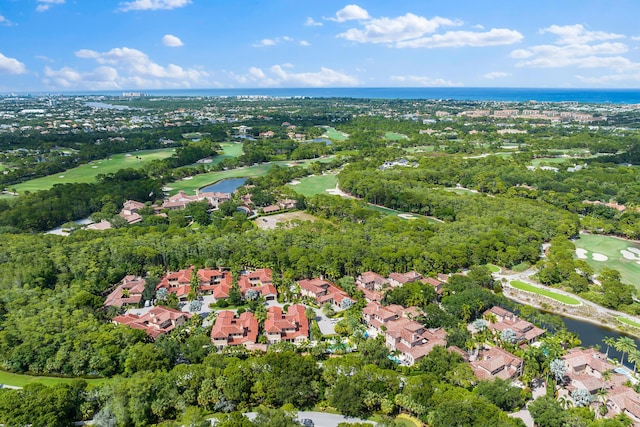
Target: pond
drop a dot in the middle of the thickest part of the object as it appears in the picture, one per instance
(224, 186)
(325, 140)
(592, 335)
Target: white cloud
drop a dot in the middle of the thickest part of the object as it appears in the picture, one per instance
(278, 40)
(277, 76)
(11, 66)
(304, 43)
(44, 5)
(391, 30)
(582, 55)
(171, 41)
(4, 21)
(496, 75)
(424, 81)
(635, 38)
(350, 12)
(613, 78)
(153, 5)
(577, 34)
(493, 37)
(311, 23)
(122, 68)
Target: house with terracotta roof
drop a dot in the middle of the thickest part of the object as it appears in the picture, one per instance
(210, 282)
(291, 327)
(157, 321)
(436, 283)
(499, 319)
(230, 329)
(412, 339)
(371, 281)
(182, 199)
(377, 315)
(323, 291)
(260, 281)
(128, 292)
(130, 211)
(401, 279)
(496, 362)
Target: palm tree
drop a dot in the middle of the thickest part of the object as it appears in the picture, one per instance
(602, 394)
(610, 342)
(625, 345)
(634, 357)
(606, 376)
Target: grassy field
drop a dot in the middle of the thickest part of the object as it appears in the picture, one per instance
(230, 150)
(420, 149)
(334, 134)
(494, 268)
(550, 160)
(628, 322)
(190, 186)
(544, 292)
(392, 136)
(316, 184)
(87, 173)
(18, 380)
(611, 247)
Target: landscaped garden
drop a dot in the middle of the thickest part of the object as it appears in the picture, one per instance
(565, 299)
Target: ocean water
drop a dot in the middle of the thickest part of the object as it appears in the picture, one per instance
(595, 96)
(592, 96)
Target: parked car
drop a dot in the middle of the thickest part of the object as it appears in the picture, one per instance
(306, 422)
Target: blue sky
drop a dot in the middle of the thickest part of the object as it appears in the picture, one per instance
(67, 45)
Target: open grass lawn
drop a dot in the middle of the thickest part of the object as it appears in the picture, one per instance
(190, 186)
(628, 322)
(230, 150)
(494, 268)
(554, 160)
(312, 185)
(544, 292)
(19, 380)
(392, 136)
(611, 247)
(87, 173)
(400, 214)
(334, 134)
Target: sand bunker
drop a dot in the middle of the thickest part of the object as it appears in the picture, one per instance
(629, 255)
(406, 216)
(61, 176)
(294, 182)
(94, 167)
(599, 257)
(634, 250)
(581, 253)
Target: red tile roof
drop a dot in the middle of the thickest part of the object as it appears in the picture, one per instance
(157, 321)
(235, 330)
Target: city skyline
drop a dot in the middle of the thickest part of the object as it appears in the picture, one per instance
(68, 45)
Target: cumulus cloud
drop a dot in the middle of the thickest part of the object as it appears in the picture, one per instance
(577, 34)
(493, 37)
(391, 30)
(278, 40)
(44, 5)
(411, 30)
(278, 76)
(496, 75)
(423, 81)
(350, 12)
(311, 23)
(122, 68)
(4, 21)
(11, 66)
(153, 5)
(578, 47)
(171, 41)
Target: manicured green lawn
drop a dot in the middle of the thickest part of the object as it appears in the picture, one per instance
(18, 380)
(537, 162)
(332, 133)
(493, 268)
(420, 149)
(611, 247)
(190, 186)
(316, 184)
(628, 322)
(544, 292)
(87, 173)
(230, 150)
(392, 136)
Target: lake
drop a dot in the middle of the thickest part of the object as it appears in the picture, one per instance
(592, 335)
(224, 186)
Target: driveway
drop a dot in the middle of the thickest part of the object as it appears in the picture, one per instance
(322, 419)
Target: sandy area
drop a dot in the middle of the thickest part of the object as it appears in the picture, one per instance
(599, 257)
(294, 182)
(634, 250)
(271, 221)
(629, 255)
(406, 216)
(581, 253)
